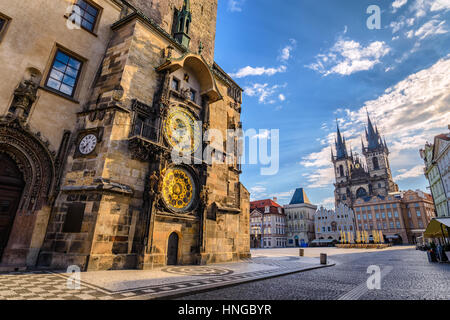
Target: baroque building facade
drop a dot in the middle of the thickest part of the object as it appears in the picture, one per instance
(300, 219)
(436, 157)
(402, 216)
(267, 224)
(96, 104)
(330, 224)
(362, 179)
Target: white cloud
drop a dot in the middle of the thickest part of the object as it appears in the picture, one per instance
(400, 24)
(348, 56)
(420, 8)
(408, 114)
(440, 5)
(417, 171)
(257, 192)
(282, 97)
(264, 92)
(430, 28)
(284, 195)
(321, 178)
(235, 5)
(286, 52)
(397, 4)
(328, 203)
(318, 159)
(258, 71)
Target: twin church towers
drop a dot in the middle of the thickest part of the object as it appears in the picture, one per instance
(355, 179)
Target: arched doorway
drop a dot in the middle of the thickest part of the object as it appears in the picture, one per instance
(297, 243)
(172, 249)
(11, 188)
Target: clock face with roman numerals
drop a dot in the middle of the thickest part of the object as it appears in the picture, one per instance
(88, 144)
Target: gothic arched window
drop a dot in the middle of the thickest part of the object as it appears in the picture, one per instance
(341, 170)
(376, 165)
(361, 193)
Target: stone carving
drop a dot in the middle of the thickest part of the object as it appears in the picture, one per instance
(204, 196)
(200, 48)
(24, 97)
(154, 185)
(169, 53)
(186, 93)
(118, 93)
(33, 159)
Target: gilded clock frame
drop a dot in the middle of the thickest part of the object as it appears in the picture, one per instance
(191, 210)
(190, 112)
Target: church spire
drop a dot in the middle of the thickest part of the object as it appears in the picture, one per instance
(372, 135)
(183, 24)
(341, 148)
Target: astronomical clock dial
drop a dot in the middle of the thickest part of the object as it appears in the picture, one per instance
(182, 131)
(179, 190)
(87, 144)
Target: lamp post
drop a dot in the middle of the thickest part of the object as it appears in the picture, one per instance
(262, 231)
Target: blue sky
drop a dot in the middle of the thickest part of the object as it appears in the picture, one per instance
(304, 64)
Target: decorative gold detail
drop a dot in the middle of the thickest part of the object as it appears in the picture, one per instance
(178, 189)
(182, 130)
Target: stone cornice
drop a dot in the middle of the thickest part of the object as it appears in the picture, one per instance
(139, 15)
(222, 75)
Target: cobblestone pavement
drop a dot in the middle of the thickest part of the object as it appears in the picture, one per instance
(406, 274)
(138, 284)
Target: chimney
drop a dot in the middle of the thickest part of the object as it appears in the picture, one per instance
(275, 199)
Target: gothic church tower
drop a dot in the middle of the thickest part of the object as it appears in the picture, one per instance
(356, 179)
(377, 159)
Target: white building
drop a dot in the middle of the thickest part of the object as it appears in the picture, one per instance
(330, 223)
(442, 158)
(437, 170)
(267, 222)
(300, 219)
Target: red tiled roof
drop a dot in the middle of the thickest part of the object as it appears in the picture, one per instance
(444, 136)
(262, 204)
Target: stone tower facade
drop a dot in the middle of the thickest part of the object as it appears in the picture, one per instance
(203, 25)
(362, 179)
(109, 189)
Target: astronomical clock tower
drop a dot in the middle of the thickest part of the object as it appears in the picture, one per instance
(138, 190)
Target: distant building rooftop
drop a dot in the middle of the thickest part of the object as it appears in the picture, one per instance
(300, 197)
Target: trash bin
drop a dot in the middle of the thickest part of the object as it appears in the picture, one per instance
(323, 258)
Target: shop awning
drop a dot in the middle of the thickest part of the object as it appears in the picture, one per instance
(323, 241)
(395, 236)
(437, 228)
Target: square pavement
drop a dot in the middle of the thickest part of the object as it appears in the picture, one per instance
(164, 282)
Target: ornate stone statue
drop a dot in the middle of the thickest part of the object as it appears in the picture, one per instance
(154, 185)
(24, 97)
(204, 196)
(186, 93)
